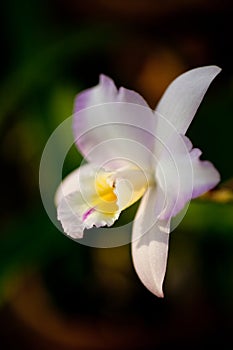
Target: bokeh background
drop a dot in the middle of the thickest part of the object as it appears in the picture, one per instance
(58, 294)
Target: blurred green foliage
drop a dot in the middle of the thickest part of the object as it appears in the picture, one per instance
(48, 56)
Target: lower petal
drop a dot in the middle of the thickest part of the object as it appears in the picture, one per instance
(150, 243)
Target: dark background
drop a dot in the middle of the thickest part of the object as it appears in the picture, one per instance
(55, 293)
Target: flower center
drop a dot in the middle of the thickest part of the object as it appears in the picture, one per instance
(105, 199)
(113, 192)
(105, 188)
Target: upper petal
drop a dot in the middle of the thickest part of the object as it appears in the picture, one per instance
(111, 126)
(183, 96)
(150, 242)
(106, 92)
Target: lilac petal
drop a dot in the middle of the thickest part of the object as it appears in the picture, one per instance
(111, 125)
(150, 243)
(181, 175)
(205, 174)
(106, 92)
(183, 96)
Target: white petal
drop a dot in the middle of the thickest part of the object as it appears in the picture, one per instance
(131, 184)
(68, 211)
(80, 205)
(112, 126)
(150, 242)
(75, 215)
(93, 197)
(183, 96)
(71, 183)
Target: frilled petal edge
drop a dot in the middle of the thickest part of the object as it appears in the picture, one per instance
(75, 215)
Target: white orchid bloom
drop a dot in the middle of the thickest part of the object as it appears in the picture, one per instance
(134, 152)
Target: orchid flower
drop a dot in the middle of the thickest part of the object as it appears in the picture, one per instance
(133, 153)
